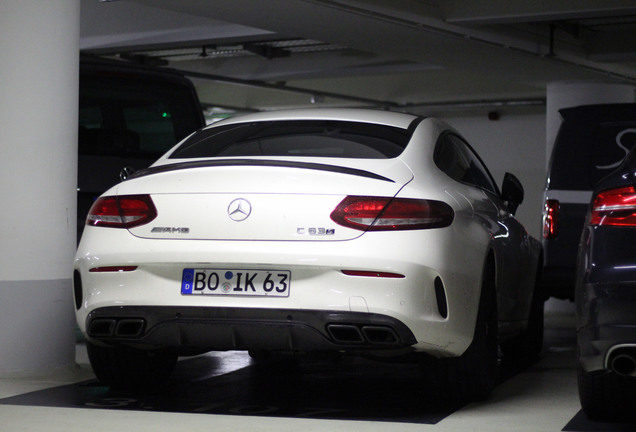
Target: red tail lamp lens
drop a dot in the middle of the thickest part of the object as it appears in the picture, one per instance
(113, 269)
(551, 219)
(365, 273)
(389, 214)
(125, 211)
(614, 207)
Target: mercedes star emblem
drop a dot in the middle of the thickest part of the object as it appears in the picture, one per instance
(239, 209)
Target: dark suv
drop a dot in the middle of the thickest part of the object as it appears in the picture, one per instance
(129, 115)
(592, 141)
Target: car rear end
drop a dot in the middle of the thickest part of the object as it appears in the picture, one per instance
(274, 252)
(606, 297)
(592, 141)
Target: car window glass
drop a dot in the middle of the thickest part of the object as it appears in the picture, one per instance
(591, 142)
(121, 117)
(612, 142)
(458, 160)
(306, 138)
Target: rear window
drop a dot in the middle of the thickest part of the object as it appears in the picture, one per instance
(612, 142)
(592, 142)
(314, 138)
(126, 116)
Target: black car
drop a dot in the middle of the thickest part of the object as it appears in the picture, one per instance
(606, 298)
(129, 115)
(592, 141)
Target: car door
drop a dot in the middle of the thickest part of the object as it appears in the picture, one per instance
(515, 257)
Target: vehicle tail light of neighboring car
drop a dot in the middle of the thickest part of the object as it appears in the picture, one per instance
(388, 214)
(125, 211)
(614, 207)
(551, 219)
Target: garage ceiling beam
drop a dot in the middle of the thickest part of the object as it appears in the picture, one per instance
(514, 11)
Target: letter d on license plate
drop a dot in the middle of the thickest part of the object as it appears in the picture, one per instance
(274, 283)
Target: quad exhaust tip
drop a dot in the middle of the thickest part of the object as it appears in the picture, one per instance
(110, 327)
(363, 334)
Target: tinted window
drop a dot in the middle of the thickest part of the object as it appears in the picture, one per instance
(132, 117)
(612, 142)
(307, 138)
(458, 160)
(591, 142)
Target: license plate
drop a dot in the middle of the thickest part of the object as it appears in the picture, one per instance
(272, 283)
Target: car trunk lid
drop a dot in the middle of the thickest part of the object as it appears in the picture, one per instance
(260, 200)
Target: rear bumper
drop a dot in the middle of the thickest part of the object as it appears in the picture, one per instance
(434, 276)
(606, 323)
(200, 329)
(606, 296)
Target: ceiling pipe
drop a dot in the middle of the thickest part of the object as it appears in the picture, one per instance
(480, 104)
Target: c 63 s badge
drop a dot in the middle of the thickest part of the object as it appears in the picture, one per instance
(316, 231)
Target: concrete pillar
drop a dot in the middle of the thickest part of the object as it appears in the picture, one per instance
(570, 94)
(39, 57)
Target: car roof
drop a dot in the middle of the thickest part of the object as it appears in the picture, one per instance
(600, 112)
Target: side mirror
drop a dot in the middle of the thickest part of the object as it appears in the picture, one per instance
(512, 192)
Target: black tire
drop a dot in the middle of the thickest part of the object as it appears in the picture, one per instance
(472, 376)
(526, 347)
(607, 396)
(127, 368)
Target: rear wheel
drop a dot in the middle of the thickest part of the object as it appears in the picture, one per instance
(472, 376)
(124, 367)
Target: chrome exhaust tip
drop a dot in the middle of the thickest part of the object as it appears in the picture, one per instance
(623, 364)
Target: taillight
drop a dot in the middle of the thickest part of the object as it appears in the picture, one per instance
(614, 207)
(550, 219)
(125, 211)
(388, 214)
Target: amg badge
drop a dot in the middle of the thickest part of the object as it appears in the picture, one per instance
(171, 230)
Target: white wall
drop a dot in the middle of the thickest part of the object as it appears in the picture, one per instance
(39, 42)
(514, 143)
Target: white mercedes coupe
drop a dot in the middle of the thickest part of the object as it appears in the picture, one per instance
(353, 231)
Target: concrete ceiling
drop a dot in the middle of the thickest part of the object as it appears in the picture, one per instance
(422, 56)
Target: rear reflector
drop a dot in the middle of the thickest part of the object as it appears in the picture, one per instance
(108, 269)
(125, 211)
(550, 219)
(614, 207)
(373, 274)
(388, 214)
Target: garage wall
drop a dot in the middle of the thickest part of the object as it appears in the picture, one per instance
(514, 143)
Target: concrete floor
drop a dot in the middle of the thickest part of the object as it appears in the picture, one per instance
(226, 392)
